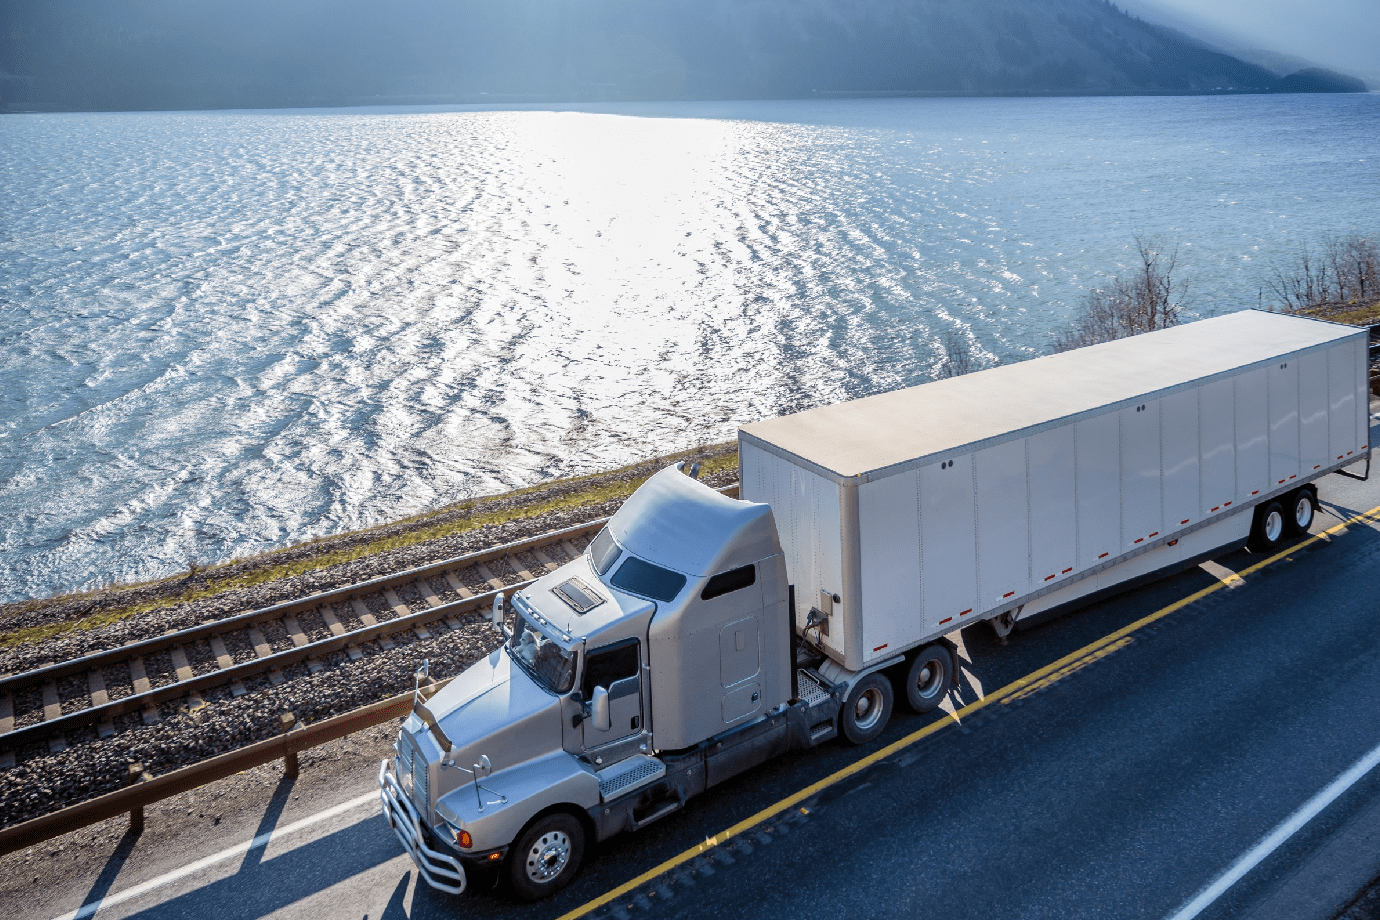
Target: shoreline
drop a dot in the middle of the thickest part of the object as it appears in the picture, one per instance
(326, 562)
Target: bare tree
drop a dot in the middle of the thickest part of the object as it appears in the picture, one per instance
(1348, 271)
(958, 355)
(1149, 298)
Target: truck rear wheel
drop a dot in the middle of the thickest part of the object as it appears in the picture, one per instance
(1302, 505)
(1267, 531)
(546, 856)
(867, 710)
(931, 673)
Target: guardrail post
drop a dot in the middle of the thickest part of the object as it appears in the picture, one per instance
(286, 722)
(134, 774)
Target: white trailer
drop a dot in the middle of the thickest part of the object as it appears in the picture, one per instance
(1009, 492)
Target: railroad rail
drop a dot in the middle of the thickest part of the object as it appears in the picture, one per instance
(53, 703)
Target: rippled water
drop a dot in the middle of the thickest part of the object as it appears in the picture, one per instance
(227, 331)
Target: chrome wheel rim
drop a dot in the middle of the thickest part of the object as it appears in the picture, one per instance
(867, 709)
(548, 856)
(1303, 512)
(930, 680)
(1274, 526)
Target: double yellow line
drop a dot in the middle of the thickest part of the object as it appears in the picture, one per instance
(1035, 680)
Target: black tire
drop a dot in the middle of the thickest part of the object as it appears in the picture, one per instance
(1268, 528)
(930, 675)
(546, 856)
(867, 709)
(1301, 506)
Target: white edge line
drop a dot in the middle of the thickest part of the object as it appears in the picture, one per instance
(86, 910)
(1280, 834)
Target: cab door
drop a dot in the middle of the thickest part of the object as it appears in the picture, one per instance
(617, 667)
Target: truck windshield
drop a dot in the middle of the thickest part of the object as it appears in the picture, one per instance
(603, 552)
(542, 657)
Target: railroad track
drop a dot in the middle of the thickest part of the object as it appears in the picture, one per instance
(58, 702)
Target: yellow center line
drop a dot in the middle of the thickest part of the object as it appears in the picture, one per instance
(1035, 680)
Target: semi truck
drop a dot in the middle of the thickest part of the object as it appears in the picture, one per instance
(699, 635)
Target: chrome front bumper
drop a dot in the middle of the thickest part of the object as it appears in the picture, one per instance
(440, 870)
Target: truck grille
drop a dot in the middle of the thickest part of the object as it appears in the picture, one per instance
(419, 790)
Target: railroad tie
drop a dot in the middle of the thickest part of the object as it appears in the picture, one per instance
(427, 594)
(6, 726)
(95, 683)
(52, 706)
(263, 650)
(338, 629)
(223, 661)
(52, 709)
(294, 631)
(545, 560)
(457, 585)
(402, 610)
(332, 622)
(487, 574)
(183, 669)
(571, 549)
(518, 567)
(140, 678)
(399, 608)
(368, 619)
(299, 639)
(431, 599)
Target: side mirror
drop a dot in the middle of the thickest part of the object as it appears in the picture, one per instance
(603, 717)
(498, 616)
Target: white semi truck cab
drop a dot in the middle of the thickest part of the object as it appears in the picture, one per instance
(699, 635)
(656, 665)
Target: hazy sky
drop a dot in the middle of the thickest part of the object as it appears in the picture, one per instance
(1341, 34)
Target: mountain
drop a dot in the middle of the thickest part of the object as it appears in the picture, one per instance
(175, 54)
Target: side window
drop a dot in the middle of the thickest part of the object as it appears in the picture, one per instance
(608, 664)
(728, 581)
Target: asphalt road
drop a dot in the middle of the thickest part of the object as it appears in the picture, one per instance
(1123, 789)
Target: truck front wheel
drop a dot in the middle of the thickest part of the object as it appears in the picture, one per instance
(546, 856)
(867, 710)
(927, 682)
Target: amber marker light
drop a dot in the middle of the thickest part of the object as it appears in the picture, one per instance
(464, 839)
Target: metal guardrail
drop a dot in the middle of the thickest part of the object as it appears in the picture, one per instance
(132, 800)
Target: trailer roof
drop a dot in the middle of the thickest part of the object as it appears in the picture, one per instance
(867, 435)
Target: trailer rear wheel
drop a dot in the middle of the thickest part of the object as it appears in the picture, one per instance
(931, 673)
(867, 710)
(546, 856)
(1303, 504)
(1267, 531)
